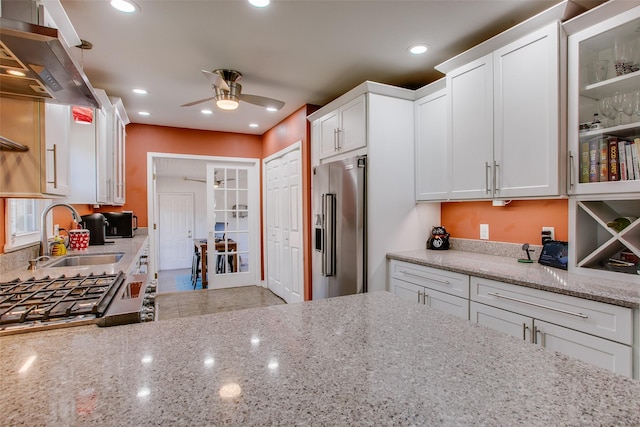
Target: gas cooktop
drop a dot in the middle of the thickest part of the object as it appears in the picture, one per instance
(56, 302)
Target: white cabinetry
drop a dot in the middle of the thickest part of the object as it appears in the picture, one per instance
(589, 172)
(344, 129)
(442, 290)
(431, 142)
(597, 333)
(98, 155)
(394, 220)
(504, 109)
(57, 148)
(600, 181)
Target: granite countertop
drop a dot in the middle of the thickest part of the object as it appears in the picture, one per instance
(366, 359)
(508, 270)
(130, 246)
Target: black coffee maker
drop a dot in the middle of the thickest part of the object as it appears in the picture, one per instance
(97, 225)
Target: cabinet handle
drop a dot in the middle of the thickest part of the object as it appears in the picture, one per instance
(497, 295)
(419, 295)
(424, 298)
(495, 177)
(335, 140)
(542, 338)
(426, 278)
(524, 331)
(487, 170)
(55, 166)
(338, 132)
(570, 172)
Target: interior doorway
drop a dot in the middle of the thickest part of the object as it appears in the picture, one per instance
(186, 174)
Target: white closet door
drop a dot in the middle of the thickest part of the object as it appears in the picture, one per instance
(284, 249)
(273, 224)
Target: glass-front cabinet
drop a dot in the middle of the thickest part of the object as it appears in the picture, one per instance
(604, 143)
(604, 106)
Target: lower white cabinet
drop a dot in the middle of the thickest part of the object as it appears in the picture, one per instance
(597, 333)
(442, 290)
(594, 332)
(606, 354)
(431, 298)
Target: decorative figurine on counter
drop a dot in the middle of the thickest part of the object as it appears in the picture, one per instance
(439, 238)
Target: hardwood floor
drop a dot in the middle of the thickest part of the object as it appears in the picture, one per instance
(171, 304)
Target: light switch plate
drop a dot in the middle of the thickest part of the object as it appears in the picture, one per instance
(484, 231)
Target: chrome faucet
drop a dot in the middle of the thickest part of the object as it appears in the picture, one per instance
(44, 241)
(34, 262)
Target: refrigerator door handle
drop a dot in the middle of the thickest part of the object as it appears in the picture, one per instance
(329, 246)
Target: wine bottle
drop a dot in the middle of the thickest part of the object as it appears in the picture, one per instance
(621, 223)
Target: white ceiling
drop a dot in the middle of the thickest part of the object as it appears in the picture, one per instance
(297, 51)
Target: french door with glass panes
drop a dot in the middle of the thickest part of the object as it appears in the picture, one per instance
(233, 251)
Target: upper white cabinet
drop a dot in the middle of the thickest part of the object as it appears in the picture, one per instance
(97, 153)
(604, 80)
(344, 129)
(431, 142)
(57, 148)
(470, 130)
(42, 170)
(505, 137)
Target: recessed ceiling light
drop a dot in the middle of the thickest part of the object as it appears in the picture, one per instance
(272, 109)
(206, 112)
(126, 6)
(260, 3)
(17, 73)
(418, 49)
(140, 91)
(144, 113)
(253, 125)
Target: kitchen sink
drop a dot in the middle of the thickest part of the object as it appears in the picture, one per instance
(76, 260)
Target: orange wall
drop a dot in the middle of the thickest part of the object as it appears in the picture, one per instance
(518, 222)
(142, 139)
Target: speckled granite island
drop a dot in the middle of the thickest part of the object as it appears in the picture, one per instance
(368, 359)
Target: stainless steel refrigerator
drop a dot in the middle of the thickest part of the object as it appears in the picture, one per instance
(339, 218)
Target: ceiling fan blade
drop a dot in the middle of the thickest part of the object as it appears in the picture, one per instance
(216, 79)
(200, 101)
(262, 101)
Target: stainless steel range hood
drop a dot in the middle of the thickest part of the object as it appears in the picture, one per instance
(50, 73)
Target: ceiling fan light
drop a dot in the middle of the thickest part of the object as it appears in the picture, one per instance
(272, 109)
(227, 104)
(260, 3)
(126, 6)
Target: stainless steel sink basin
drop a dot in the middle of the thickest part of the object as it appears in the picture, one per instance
(76, 260)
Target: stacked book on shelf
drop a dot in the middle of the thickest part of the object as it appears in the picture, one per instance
(609, 158)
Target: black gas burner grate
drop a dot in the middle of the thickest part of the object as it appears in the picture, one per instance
(47, 299)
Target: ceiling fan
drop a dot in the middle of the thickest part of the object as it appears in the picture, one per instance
(227, 92)
(216, 183)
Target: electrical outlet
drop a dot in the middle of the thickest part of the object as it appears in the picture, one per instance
(484, 231)
(548, 233)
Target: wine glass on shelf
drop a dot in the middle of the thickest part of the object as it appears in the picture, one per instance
(636, 103)
(618, 104)
(605, 107)
(628, 104)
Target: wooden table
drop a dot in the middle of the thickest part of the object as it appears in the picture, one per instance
(223, 247)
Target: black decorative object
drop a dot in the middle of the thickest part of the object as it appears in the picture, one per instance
(439, 238)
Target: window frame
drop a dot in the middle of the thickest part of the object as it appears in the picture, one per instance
(15, 241)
